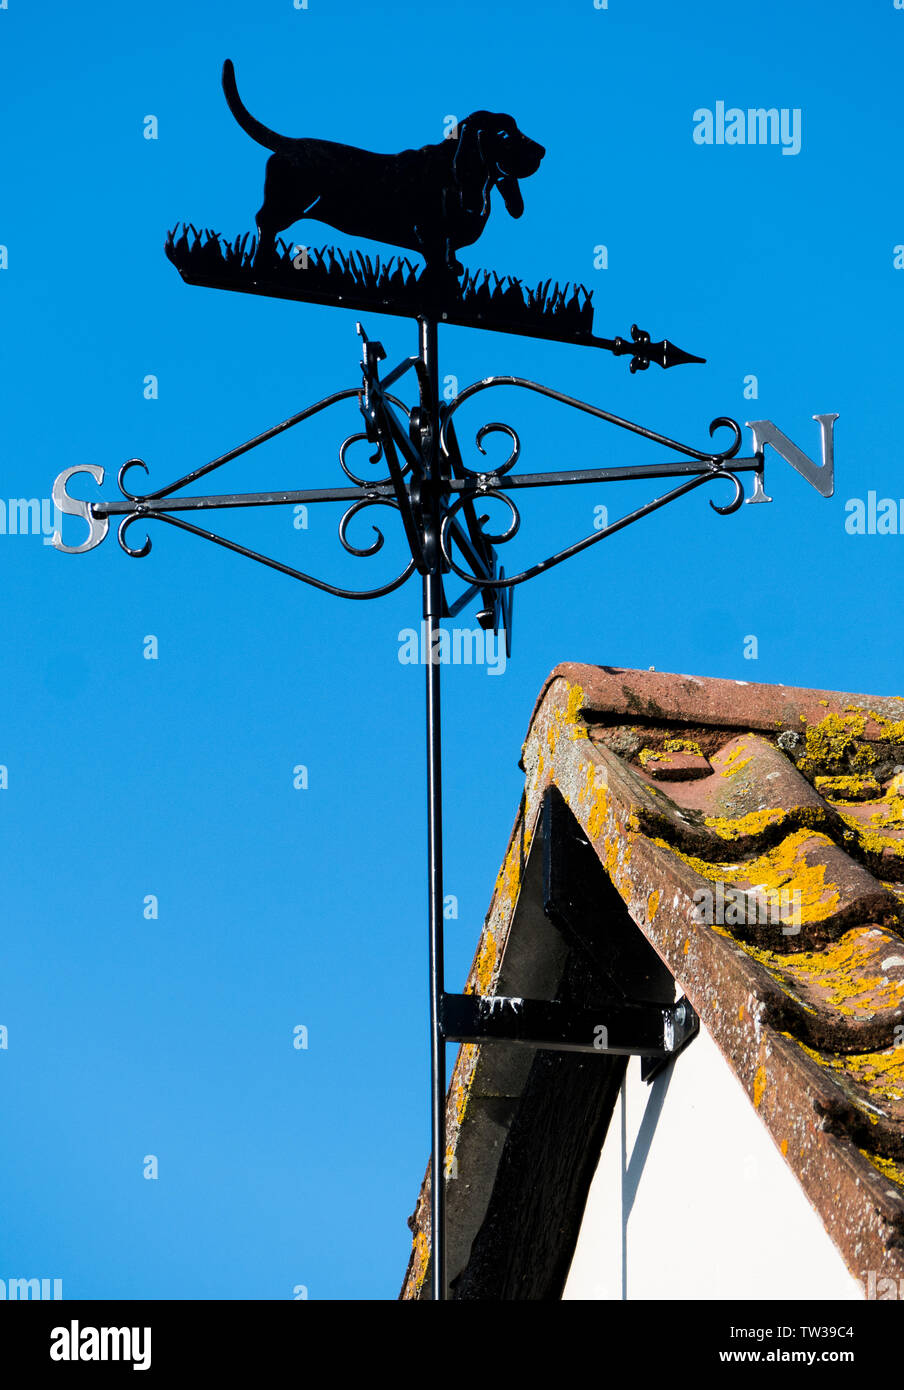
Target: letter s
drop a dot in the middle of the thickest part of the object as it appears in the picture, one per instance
(99, 525)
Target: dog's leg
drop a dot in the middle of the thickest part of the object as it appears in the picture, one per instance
(453, 264)
(441, 268)
(284, 203)
(267, 228)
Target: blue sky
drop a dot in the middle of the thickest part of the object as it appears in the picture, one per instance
(280, 1167)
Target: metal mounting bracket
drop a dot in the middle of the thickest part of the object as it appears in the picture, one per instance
(654, 1031)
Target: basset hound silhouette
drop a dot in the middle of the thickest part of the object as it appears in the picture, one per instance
(432, 200)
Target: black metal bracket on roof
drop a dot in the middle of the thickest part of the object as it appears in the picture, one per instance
(639, 1017)
(583, 904)
(652, 1031)
(432, 201)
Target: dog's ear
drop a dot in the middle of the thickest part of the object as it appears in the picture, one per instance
(469, 165)
(502, 134)
(510, 189)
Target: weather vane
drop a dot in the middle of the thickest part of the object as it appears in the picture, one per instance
(433, 201)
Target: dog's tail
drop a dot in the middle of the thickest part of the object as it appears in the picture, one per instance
(256, 129)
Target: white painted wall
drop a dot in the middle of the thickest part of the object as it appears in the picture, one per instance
(692, 1198)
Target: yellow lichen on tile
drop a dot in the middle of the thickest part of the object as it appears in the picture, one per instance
(421, 1259)
(881, 1073)
(462, 1080)
(759, 1085)
(485, 964)
(682, 745)
(575, 725)
(598, 814)
(892, 729)
(670, 746)
(508, 881)
(732, 764)
(574, 704)
(830, 741)
(755, 822)
(785, 979)
(886, 1166)
(890, 813)
(811, 1052)
(872, 841)
(844, 971)
(847, 788)
(653, 905)
(712, 871)
(879, 844)
(617, 854)
(785, 867)
(567, 719)
(780, 868)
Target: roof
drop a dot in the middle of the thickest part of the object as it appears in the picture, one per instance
(695, 792)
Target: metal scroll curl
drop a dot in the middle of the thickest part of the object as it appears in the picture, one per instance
(366, 551)
(151, 506)
(525, 384)
(138, 552)
(509, 582)
(349, 393)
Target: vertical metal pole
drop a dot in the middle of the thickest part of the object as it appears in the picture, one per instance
(432, 610)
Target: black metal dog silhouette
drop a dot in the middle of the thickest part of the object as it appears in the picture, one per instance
(432, 200)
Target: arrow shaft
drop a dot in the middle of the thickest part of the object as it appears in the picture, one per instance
(508, 481)
(241, 499)
(676, 469)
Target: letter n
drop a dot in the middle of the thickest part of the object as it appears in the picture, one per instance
(821, 477)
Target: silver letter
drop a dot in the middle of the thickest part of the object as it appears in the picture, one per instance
(822, 478)
(99, 525)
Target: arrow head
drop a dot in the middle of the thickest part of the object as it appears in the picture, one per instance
(643, 352)
(668, 355)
